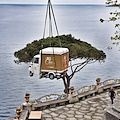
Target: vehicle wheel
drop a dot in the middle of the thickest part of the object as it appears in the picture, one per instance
(58, 76)
(31, 74)
(51, 76)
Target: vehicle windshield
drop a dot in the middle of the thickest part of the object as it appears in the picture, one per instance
(36, 60)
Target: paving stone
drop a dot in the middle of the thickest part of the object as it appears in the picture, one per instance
(78, 103)
(62, 116)
(48, 119)
(79, 116)
(100, 111)
(95, 105)
(87, 117)
(53, 109)
(43, 113)
(89, 114)
(108, 98)
(71, 112)
(73, 109)
(104, 106)
(77, 106)
(100, 108)
(94, 97)
(92, 109)
(59, 111)
(70, 105)
(98, 114)
(98, 117)
(86, 106)
(84, 111)
(78, 113)
(70, 115)
(84, 102)
(83, 108)
(91, 102)
(60, 107)
(71, 119)
(66, 109)
(53, 114)
(56, 118)
(46, 116)
(94, 119)
(46, 111)
(101, 102)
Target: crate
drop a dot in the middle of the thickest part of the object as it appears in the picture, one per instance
(55, 59)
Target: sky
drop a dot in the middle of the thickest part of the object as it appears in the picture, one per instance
(53, 1)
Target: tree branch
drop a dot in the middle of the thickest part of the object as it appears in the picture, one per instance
(78, 69)
(76, 64)
(71, 66)
(92, 62)
(81, 67)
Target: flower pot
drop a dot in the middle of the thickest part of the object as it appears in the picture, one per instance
(98, 81)
(18, 113)
(27, 97)
(71, 89)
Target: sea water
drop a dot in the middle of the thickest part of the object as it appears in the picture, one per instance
(21, 24)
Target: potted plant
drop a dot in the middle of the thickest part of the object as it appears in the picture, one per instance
(27, 96)
(71, 89)
(98, 81)
(18, 113)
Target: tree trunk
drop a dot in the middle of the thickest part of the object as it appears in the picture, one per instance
(66, 81)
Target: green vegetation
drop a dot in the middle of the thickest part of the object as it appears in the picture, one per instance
(77, 48)
(113, 3)
(18, 109)
(27, 94)
(101, 20)
(114, 16)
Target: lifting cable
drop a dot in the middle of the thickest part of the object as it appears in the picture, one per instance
(50, 9)
(50, 28)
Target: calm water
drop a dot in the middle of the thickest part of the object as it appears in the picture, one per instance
(21, 24)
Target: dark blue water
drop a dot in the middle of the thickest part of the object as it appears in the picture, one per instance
(21, 24)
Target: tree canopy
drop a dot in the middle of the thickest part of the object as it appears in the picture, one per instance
(77, 48)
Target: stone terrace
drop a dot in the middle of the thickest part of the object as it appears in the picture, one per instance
(89, 109)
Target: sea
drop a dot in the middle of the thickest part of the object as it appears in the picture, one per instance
(21, 24)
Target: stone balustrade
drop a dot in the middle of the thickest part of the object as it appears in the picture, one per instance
(54, 100)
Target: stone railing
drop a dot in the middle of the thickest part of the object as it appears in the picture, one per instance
(48, 98)
(81, 93)
(54, 100)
